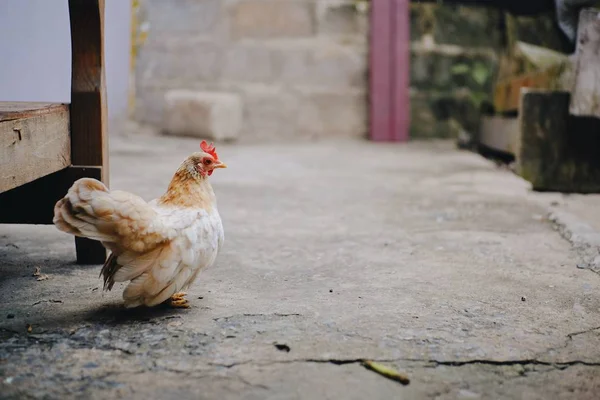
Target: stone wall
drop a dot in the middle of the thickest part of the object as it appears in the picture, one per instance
(453, 66)
(299, 66)
(458, 53)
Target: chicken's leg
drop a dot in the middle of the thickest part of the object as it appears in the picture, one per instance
(178, 300)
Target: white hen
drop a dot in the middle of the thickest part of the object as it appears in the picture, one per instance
(159, 246)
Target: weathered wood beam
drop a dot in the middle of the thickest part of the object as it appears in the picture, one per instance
(34, 141)
(89, 120)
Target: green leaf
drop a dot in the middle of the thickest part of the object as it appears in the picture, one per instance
(480, 73)
(478, 98)
(460, 69)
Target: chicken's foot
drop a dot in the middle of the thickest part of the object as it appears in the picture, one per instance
(178, 300)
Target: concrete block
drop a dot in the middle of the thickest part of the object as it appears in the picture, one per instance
(340, 17)
(149, 105)
(207, 115)
(335, 113)
(197, 62)
(266, 18)
(249, 63)
(192, 16)
(324, 64)
(270, 113)
(556, 151)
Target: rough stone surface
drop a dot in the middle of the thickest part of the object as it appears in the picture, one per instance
(557, 151)
(441, 69)
(540, 30)
(330, 113)
(250, 63)
(340, 17)
(284, 48)
(469, 26)
(207, 115)
(267, 18)
(430, 260)
(454, 49)
(150, 105)
(443, 115)
(269, 113)
(422, 19)
(190, 62)
(192, 16)
(328, 65)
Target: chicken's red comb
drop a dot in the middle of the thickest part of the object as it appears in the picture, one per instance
(209, 148)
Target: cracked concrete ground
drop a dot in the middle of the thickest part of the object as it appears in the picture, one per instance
(427, 259)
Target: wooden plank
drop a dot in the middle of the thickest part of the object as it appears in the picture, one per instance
(89, 136)
(585, 99)
(401, 72)
(500, 133)
(34, 142)
(556, 151)
(380, 70)
(11, 110)
(33, 203)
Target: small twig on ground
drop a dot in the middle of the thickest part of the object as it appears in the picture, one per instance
(386, 372)
(46, 301)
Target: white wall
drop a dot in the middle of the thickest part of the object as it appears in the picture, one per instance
(117, 39)
(35, 52)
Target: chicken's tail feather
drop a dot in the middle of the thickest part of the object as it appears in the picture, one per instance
(73, 213)
(61, 208)
(120, 220)
(108, 271)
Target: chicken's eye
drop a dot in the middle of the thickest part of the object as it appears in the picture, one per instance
(207, 162)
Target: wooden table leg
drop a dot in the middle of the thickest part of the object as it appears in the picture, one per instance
(89, 139)
(89, 251)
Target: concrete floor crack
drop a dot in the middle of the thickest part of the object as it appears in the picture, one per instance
(559, 365)
(342, 361)
(194, 374)
(568, 341)
(582, 238)
(257, 315)
(570, 335)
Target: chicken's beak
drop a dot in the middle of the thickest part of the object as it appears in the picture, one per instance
(219, 164)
